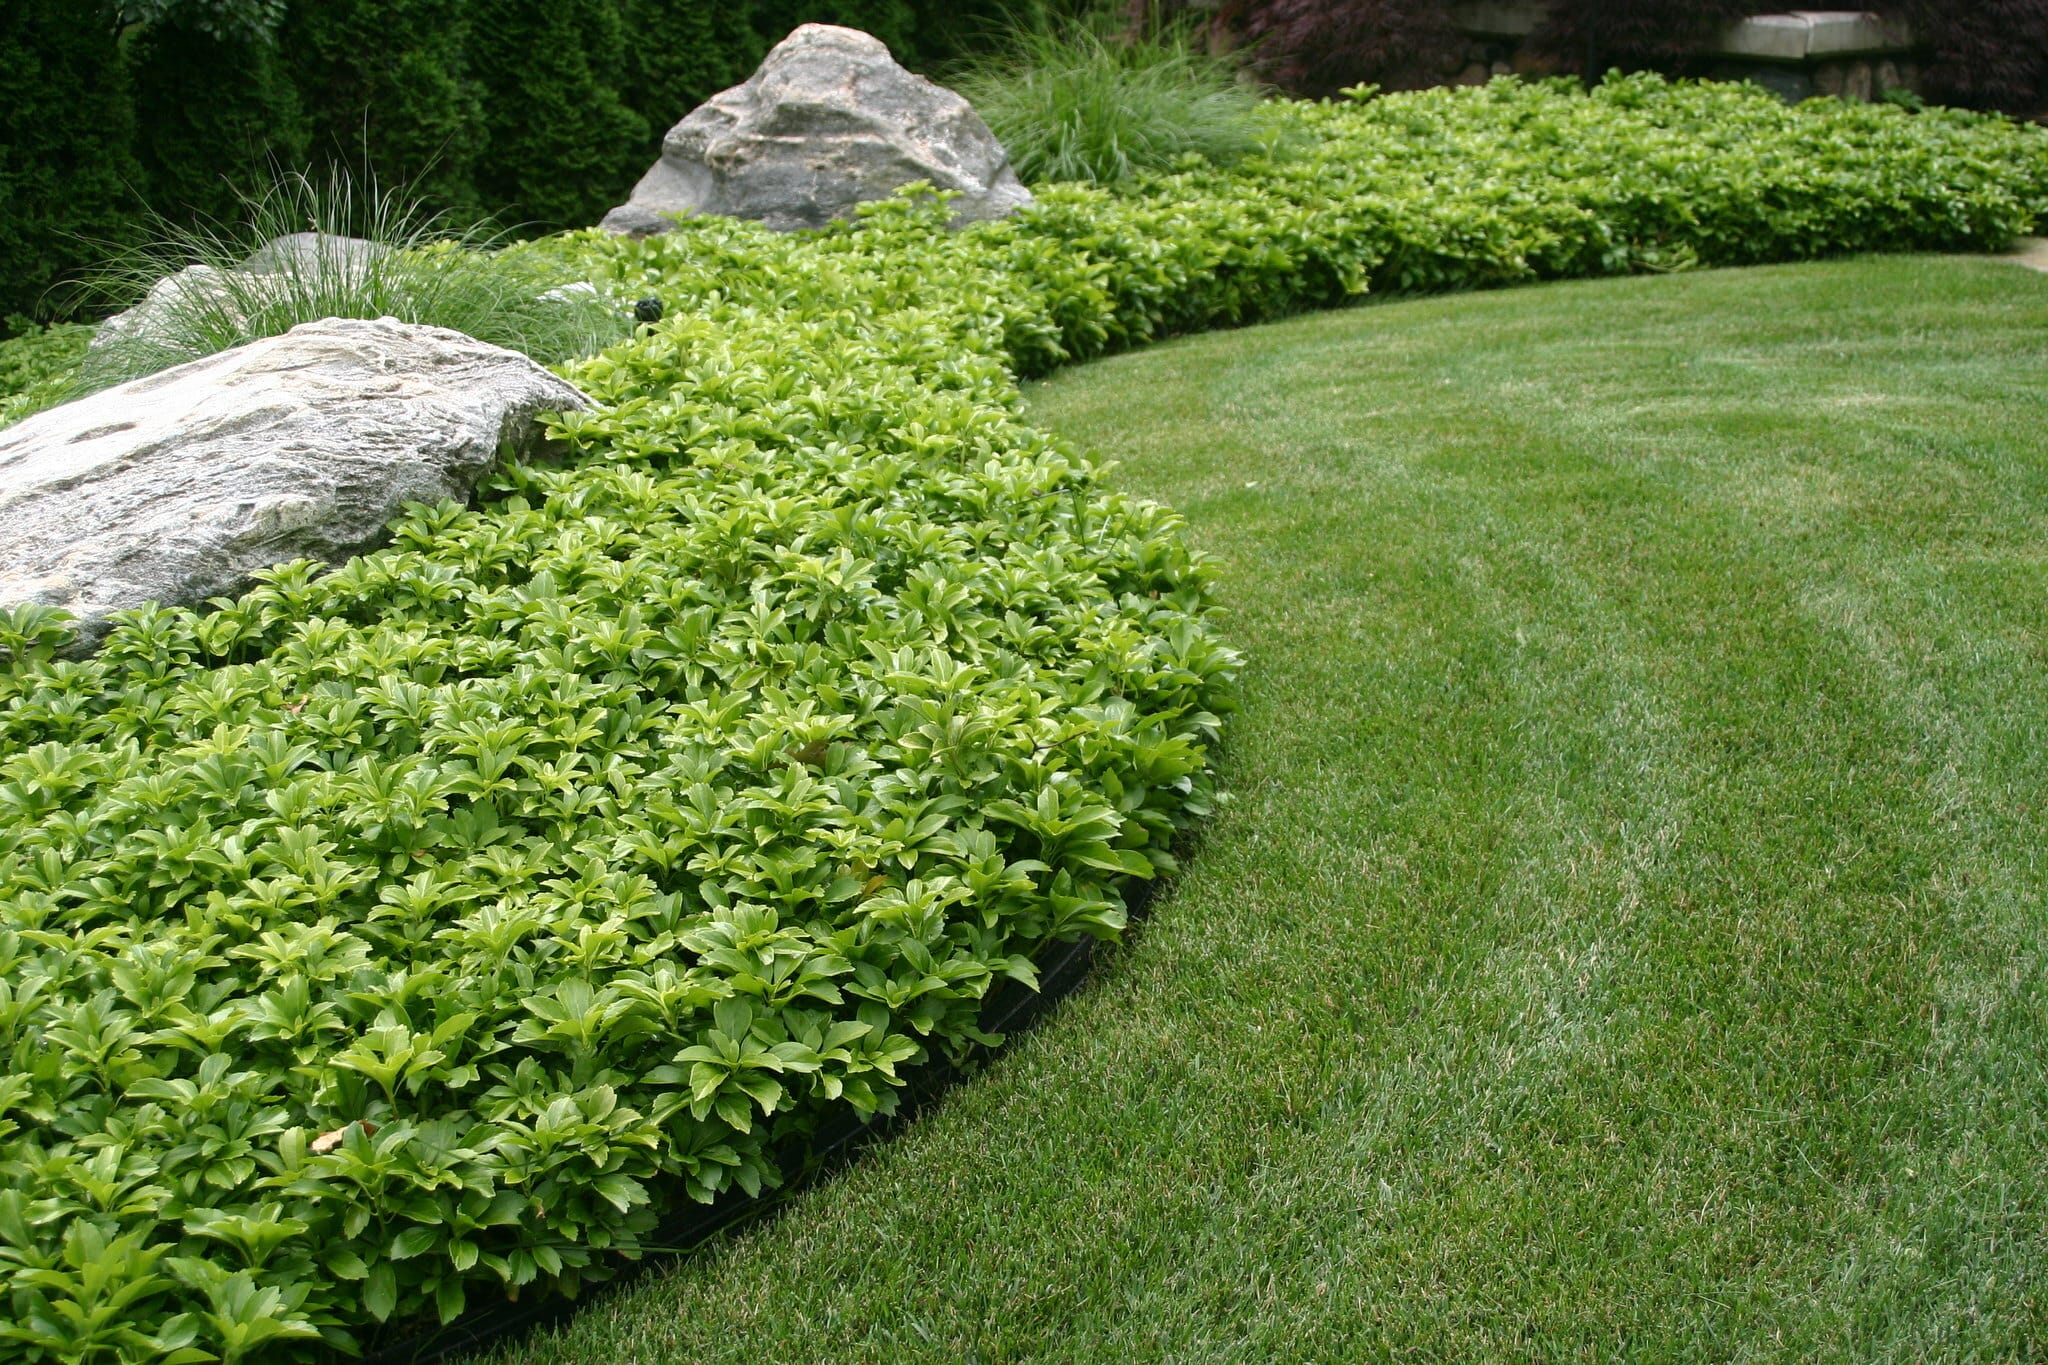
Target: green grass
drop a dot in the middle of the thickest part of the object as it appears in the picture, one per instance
(1627, 938)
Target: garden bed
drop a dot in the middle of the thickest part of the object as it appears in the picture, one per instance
(442, 923)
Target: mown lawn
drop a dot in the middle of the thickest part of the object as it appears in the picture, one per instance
(1627, 940)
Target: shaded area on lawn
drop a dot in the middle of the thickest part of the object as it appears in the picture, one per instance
(1627, 937)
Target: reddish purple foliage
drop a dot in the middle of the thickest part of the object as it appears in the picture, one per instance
(1317, 47)
(1988, 53)
(1320, 46)
(1592, 35)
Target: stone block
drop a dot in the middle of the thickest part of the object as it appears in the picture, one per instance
(1499, 18)
(1770, 37)
(1805, 35)
(1832, 33)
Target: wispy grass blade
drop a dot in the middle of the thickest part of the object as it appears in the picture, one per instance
(1072, 101)
(372, 252)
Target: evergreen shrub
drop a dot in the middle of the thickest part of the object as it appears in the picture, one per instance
(399, 936)
(216, 117)
(680, 53)
(563, 146)
(388, 94)
(67, 168)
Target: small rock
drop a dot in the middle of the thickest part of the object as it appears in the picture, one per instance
(196, 287)
(309, 250)
(204, 287)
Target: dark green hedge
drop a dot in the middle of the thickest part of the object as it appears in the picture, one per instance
(212, 115)
(537, 112)
(67, 137)
(388, 87)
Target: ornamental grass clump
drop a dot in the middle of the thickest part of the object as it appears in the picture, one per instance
(349, 252)
(1069, 102)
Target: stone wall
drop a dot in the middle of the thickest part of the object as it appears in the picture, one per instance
(1856, 56)
(1853, 54)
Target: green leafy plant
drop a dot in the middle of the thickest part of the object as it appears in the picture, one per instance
(562, 142)
(375, 254)
(574, 855)
(38, 365)
(1070, 102)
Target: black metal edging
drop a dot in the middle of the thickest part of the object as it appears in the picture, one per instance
(1010, 1008)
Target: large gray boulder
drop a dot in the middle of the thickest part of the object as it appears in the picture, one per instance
(179, 486)
(830, 120)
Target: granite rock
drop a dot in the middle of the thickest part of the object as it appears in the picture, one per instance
(828, 121)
